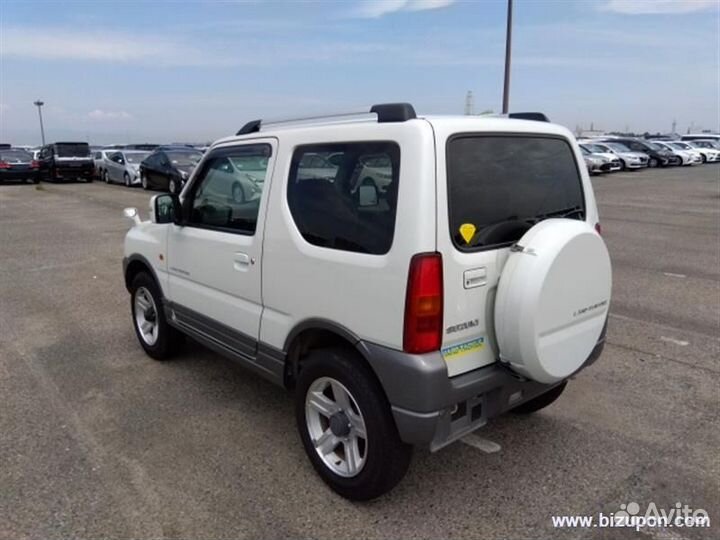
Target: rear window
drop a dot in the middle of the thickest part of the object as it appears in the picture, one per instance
(344, 196)
(15, 156)
(500, 186)
(72, 150)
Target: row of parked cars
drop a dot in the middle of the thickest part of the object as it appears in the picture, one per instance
(151, 166)
(616, 153)
(168, 167)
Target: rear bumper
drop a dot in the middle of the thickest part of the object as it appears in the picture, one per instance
(9, 175)
(60, 171)
(433, 409)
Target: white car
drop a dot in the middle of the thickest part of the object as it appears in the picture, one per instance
(688, 157)
(123, 167)
(628, 158)
(707, 152)
(613, 162)
(476, 283)
(100, 159)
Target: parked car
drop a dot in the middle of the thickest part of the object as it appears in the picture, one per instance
(710, 149)
(66, 161)
(613, 162)
(595, 164)
(100, 160)
(707, 155)
(629, 160)
(687, 157)
(168, 168)
(17, 164)
(399, 319)
(123, 166)
(658, 156)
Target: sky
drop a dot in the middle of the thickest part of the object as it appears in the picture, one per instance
(112, 71)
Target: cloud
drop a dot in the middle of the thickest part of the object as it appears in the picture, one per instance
(102, 116)
(373, 9)
(658, 7)
(58, 44)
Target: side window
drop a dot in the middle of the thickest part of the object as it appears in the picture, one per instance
(98, 155)
(227, 192)
(344, 196)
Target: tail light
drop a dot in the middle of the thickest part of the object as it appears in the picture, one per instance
(4, 165)
(424, 304)
(598, 228)
(34, 164)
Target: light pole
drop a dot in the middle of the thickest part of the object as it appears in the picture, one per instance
(508, 43)
(39, 105)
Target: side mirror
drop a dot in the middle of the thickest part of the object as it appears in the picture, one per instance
(132, 213)
(165, 208)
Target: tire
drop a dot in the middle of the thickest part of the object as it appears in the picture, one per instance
(172, 186)
(238, 193)
(144, 181)
(653, 163)
(167, 339)
(541, 401)
(383, 457)
(106, 177)
(126, 177)
(623, 165)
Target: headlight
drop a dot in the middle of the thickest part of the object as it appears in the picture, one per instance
(183, 175)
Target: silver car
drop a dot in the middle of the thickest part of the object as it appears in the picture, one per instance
(100, 158)
(123, 166)
(629, 159)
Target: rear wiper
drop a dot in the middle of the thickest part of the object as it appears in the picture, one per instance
(564, 213)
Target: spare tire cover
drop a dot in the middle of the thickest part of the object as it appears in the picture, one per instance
(553, 299)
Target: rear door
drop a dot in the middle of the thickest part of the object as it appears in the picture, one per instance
(492, 188)
(215, 260)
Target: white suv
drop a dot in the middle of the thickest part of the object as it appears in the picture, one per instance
(464, 278)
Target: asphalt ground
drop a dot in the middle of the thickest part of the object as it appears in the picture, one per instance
(98, 440)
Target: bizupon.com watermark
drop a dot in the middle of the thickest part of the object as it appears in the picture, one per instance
(632, 515)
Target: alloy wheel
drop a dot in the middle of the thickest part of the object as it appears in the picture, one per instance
(146, 316)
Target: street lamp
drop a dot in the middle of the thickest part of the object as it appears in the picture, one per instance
(508, 42)
(39, 105)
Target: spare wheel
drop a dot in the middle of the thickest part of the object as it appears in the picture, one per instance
(553, 299)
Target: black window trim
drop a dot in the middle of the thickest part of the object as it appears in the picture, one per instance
(292, 168)
(197, 180)
(508, 134)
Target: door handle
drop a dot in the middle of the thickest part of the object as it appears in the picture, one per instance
(242, 261)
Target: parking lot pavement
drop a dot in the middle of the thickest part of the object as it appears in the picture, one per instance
(97, 440)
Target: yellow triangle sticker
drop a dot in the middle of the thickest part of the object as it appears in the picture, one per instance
(467, 231)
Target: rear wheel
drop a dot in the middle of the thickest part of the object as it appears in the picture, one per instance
(144, 181)
(159, 340)
(346, 426)
(541, 401)
(126, 178)
(173, 186)
(106, 177)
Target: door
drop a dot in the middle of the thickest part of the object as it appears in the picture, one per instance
(215, 257)
(115, 167)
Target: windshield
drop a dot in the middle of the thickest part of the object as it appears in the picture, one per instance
(183, 158)
(618, 147)
(257, 164)
(72, 150)
(15, 156)
(595, 148)
(655, 146)
(136, 157)
(681, 146)
(502, 186)
(584, 150)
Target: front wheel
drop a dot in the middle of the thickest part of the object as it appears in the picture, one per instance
(159, 340)
(653, 163)
(173, 186)
(106, 177)
(126, 178)
(346, 426)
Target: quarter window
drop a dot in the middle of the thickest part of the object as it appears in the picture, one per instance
(344, 196)
(227, 194)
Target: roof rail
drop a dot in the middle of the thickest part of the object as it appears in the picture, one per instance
(536, 116)
(386, 112)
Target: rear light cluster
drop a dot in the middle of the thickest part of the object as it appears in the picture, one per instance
(4, 165)
(34, 164)
(424, 304)
(598, 228)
